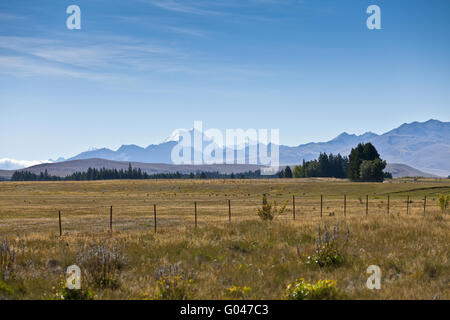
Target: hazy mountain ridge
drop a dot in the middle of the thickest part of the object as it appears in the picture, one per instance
(423, 145)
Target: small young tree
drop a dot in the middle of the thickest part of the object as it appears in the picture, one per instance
(268, 211)
(444, 202)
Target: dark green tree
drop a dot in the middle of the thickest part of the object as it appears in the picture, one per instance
(365, 164)
(354, 162)
(299, 172)
(387, 175)
(369, 152)
(372, 171)
(288, 172)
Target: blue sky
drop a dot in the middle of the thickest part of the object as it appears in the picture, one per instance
(138, 69)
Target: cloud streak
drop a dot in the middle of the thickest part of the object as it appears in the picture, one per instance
(217, 7)
(12, 164)
(182, 7)
(93, 58)
(9, 17)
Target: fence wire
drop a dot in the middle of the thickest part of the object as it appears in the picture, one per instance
(138, 214)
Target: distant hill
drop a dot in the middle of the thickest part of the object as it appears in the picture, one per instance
(422, 145)
(399, 170)
(66, 168)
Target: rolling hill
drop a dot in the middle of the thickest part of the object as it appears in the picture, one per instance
(66, 168)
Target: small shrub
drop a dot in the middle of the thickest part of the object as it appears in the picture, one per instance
(330, 248)
(101, 265)
(173, 282)
(81, 294)
(173, 288)
(7, 259)
(238, 292)
(326, 255)
(5, 289)
(321, 290)
(443, 202)
(268, 211)
(432, 270)
(173, 270)
(64, 293)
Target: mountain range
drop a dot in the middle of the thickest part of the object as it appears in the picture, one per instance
(422, 145)
(413, 149)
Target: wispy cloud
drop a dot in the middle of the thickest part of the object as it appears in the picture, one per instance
(22, 66)
(217, 7)
(8, 16)
(12, 164)
(94, 58)
(106, 59)
(186, 31)
(190, 7)
(164, 26)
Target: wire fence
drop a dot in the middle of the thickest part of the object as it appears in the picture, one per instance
(166, 213)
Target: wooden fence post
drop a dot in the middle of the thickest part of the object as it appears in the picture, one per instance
(110, 218)
(424, 205)
(60, 225)
(321, 205)
(345, 205)
(293, 207)
(388, 204)
(229, 211)
(154, 215)
(195, 212)
(367, 204)
(407, 205)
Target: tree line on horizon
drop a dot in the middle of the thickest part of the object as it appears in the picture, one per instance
(130, 174)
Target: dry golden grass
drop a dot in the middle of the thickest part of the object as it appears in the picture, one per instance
(411, 249)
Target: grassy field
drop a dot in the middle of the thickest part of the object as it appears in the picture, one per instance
(247, 258)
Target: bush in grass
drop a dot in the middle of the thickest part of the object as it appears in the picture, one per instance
(443, 202)
(7, 259)
(5, 289)
(326, 255)
(64, 293)
(238, 292)
(173, 282)
(174, 288)
(330, 248)
(321, 290)
(102, 264)
(268, 211)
